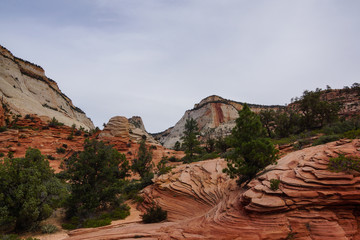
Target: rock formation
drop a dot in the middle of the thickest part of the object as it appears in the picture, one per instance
(132, 129)
(215, 117)
(26, 90)
(311, 203)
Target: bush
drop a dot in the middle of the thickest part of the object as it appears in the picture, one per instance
(15, 237)
(3, 129)
(78, 133)
(161, 166)
(207, 156)
(29, 191)
(2, 154)
(174, 159)
(274, 184)
(50, 157)
(49, 228)
(55, 123)
(65, 145)
(70, 137)
(352, 134)
(154, 214)
(60, 150)
(93, 223)
(325, 139)
(343, 163)
(120, 212)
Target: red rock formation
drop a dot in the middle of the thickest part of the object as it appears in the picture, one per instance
(33, 131)
(203, 203)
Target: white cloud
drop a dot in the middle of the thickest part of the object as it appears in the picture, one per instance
(156, 58)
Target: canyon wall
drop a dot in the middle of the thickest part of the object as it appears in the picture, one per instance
(25, 89)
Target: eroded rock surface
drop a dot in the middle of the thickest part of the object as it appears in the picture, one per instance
(132, 129)
(311, 203)
(26, 89)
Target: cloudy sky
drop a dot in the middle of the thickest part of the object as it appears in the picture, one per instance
(157, 58)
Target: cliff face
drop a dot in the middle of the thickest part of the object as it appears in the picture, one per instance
(26, 90)
(214, 115)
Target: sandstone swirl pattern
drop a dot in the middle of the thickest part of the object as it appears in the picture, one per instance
(203, 203)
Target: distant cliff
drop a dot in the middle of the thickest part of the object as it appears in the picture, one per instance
(214, 115)
(25, 88)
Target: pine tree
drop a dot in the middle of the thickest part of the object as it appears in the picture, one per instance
(252, 152)
(190, 143)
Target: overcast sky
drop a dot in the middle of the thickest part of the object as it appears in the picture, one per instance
(157, 58)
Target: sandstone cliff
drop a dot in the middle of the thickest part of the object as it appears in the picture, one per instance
(26, 90)
(215, 117)
(311, 203)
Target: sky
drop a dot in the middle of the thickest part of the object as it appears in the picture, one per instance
(157, 58)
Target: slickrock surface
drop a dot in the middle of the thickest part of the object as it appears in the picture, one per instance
(214, 115)
(26, 89)
(311, 203)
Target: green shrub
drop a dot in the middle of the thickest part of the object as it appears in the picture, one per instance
(65, 145)
(10, 155)
(72, 224)
(161, 166)
(3, 129)
(352, 134)
(2, 154)
(50, 157)
(68, 226)
(70, 137)
(15, 237)
(325, 139)
(174, 159)
(60, 150)
(207, 156)
(301, 143)
(343, 163)
(274, 184)
(55, 123)
(97, 222)
(29, 191)
(120, 212)
(154, 214)
(49, 228)
(78, 133)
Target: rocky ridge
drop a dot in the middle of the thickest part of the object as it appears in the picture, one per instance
(215, 117)
(25, 89)
(34, 131)
(311, 203)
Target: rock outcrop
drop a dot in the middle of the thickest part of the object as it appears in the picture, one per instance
(214, 115)
(26, 90)
(311, 203)
(132, 129)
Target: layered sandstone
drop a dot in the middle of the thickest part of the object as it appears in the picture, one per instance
(25, 88)
(132, 128)
(311, 203)
(214, 115)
